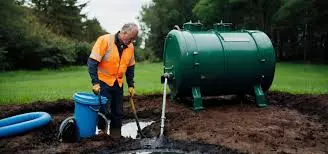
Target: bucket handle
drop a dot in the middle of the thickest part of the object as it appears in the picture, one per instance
(96, 110)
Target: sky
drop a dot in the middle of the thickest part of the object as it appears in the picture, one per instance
(112, 14)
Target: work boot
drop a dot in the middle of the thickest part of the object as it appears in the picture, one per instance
(115, 133)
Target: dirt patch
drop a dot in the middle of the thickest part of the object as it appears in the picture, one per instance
(291, 124)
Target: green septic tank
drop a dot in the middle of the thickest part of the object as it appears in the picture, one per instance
(218, 62)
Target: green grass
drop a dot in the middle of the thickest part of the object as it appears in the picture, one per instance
(301, 78)
(48, 85)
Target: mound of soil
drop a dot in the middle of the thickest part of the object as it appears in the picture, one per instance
(291, 124)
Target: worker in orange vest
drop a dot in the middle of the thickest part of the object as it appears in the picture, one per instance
(111, 59)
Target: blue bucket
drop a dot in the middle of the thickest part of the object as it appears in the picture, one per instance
(86, 112)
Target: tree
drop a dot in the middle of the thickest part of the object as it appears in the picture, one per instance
(242, 13)
(62, 16)
(160, 18)
(92, 30)
(10, 30)
(212, 11)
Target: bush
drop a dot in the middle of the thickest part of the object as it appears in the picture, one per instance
(145, 54)
(31, 45)
(82, 50)
(26, 43)
(57, 52)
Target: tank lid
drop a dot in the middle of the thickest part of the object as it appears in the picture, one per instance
(222, 27)
(196, 26)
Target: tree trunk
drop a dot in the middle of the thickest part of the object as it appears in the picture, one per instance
(307, 42)
(280, 44)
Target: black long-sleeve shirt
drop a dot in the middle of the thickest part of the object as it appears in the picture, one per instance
(93, 65)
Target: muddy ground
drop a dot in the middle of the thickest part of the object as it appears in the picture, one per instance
(291, 124)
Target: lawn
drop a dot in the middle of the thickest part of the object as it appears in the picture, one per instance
(301, 78)
(49, 85)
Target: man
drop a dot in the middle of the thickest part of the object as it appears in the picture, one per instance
(111, 58)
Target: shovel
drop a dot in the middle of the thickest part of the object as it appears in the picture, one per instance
(135, 116)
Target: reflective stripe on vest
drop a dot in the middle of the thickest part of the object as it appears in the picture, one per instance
(112, 67)
(110, 45)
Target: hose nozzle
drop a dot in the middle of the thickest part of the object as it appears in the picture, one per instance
(168, 76)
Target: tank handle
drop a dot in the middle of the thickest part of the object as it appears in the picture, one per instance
(177, 27)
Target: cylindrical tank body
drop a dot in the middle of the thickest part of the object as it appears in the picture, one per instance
(218, 62)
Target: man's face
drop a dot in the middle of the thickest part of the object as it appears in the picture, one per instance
(128, 37)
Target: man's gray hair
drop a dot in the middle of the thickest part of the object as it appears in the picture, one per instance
(129, 27)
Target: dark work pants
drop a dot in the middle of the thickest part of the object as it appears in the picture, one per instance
(114, 94)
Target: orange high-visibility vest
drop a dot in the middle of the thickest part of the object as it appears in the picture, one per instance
(111, 67)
